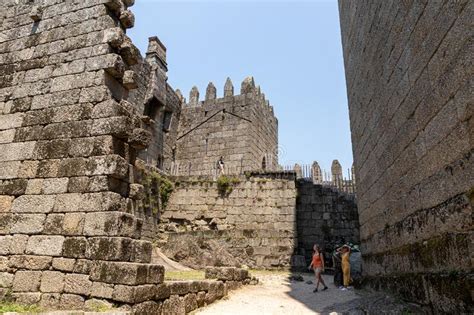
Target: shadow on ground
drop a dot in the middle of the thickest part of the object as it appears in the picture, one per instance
(353, 301)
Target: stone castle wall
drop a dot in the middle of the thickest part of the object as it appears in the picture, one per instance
(409, 81)
(255, 221)
(240, 128)
(326, 217)
(71, 209)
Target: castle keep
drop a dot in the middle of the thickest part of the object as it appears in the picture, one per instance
(241, 129)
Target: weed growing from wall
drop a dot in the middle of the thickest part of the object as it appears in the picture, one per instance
(225, 185)
(158, 190)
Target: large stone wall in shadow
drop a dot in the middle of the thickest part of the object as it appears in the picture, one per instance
(409, 67)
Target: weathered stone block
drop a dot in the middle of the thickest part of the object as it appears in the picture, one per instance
(190, 302)
(94, 304)
(174, 305)
(6, 279)
(52, 282)
(83, 266)
(63, 264)
(179, 287)
(75, 247)
(33, 204)
(26, 281)
(148, 307)
(72, 302)
(27, 298)
(77, 284)
(108, 248)
(30, 262)
(201, 298)
(102, 290)
(6, 203)
(88, 202)
(124, 293)
(73, 223)
(27, 223)
(45, 245)
(54, 224)
(140, 251)
(127, 273)
(18, 244)
(50, 300)
(55, 185)
(110, 224)
(162, 291)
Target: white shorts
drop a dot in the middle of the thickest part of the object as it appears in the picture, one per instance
(318, 269)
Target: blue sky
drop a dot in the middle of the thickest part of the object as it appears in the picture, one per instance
(292, 48)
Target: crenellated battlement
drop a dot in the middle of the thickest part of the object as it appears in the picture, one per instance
(248, 89)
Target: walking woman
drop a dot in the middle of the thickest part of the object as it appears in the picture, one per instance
(346, 266)
(317, 264)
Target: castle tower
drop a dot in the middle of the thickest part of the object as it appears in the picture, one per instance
(241, 128)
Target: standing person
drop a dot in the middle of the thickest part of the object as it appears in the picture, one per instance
(317, 263)
(346, 266)
(337, 263)
(220, 165)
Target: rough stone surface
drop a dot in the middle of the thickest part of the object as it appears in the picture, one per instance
(409, 72)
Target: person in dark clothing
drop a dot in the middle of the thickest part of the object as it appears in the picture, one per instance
(337, 263)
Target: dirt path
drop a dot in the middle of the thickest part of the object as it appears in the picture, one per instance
(277, 295)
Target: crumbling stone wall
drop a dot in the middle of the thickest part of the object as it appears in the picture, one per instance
(409, 81)
(257, 219)
(324, 216)
(240, 128)
(159, 103)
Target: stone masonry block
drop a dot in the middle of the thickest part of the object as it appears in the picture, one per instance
(18, 244)
(127, 273)
(54, 224)
(6, 203)
(72, 302)
(30, 262)
(162, 291)
(5, 243)
(27, 223)
(52, 282)
(179, 287)
(148, 307)
(26, 281)
(27, 298)
(45, 245)
(6, 279)
(88, 202)
(33, 204)
(73, 223)
(77, 284)
(141, 251)
(75, 247)
(108, 248)
(124, 293)
(63, 264)
(102, 290)
(110, 224)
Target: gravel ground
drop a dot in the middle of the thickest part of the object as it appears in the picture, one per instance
(277, 295)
